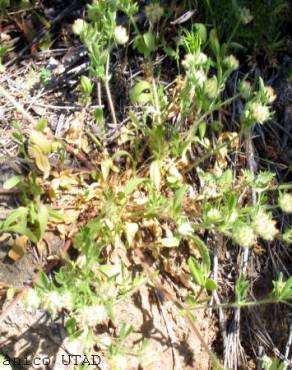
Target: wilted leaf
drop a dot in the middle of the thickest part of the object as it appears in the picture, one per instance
(131, 229)
(105, 168)
(71, 216)
(41, 246)
(41, 160)
(37, 138)
(19, 248)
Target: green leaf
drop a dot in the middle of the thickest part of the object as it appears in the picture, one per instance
(214, 42)
(44, 281)
(232, 200)
(241, 288)
(225, 180)
(132, 184)
(70, 326)
(41, 125)
(145, 44)
(141, 93)
(43, 217)
(237, 46)
(86, 85)
(211, 285)
(204, 253)
(150, 41)
(19, 215)
(202, 129)
(22, 230)
(11, 182)
(55, 214)
(282, 290)
(98, 114)
(201, 30)
(179, 198)
(196, 271)
(125, 331)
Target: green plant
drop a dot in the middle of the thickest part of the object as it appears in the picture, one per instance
(30, 219)
(269, 363)
(167, 185)
(246, 25)
(45, 76)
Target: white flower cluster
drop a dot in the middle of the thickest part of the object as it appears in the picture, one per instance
(191, 61)
(214, 215)
(257, 109)
(262, 226)
(79, 26)
(90, 316)
(119, 362)
(55, 301)
(120, 35)
(257, 112)
(285, 202)
(244, 235)
(231, 62)
(154, 12)
(197, 67)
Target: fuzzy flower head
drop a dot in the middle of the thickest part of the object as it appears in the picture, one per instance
(245, 89)
(55, 301)
(245, 15)
(154, 12)
(185, 229)
(193, 60)
(32, 300)
(231, 62)
(244, 235)
(79, 26)
(119, 362)
(120, 35)
(257, 113)
(211, 87)
(264, 226)
(91, 316)
(285, 202)
(188, 61)
(201, 58)
(199, 77)
(214, 215)
(287, 236)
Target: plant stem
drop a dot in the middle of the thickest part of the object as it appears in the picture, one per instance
(212, 152)
(239, 305)
(98, 88)
(108, 92)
